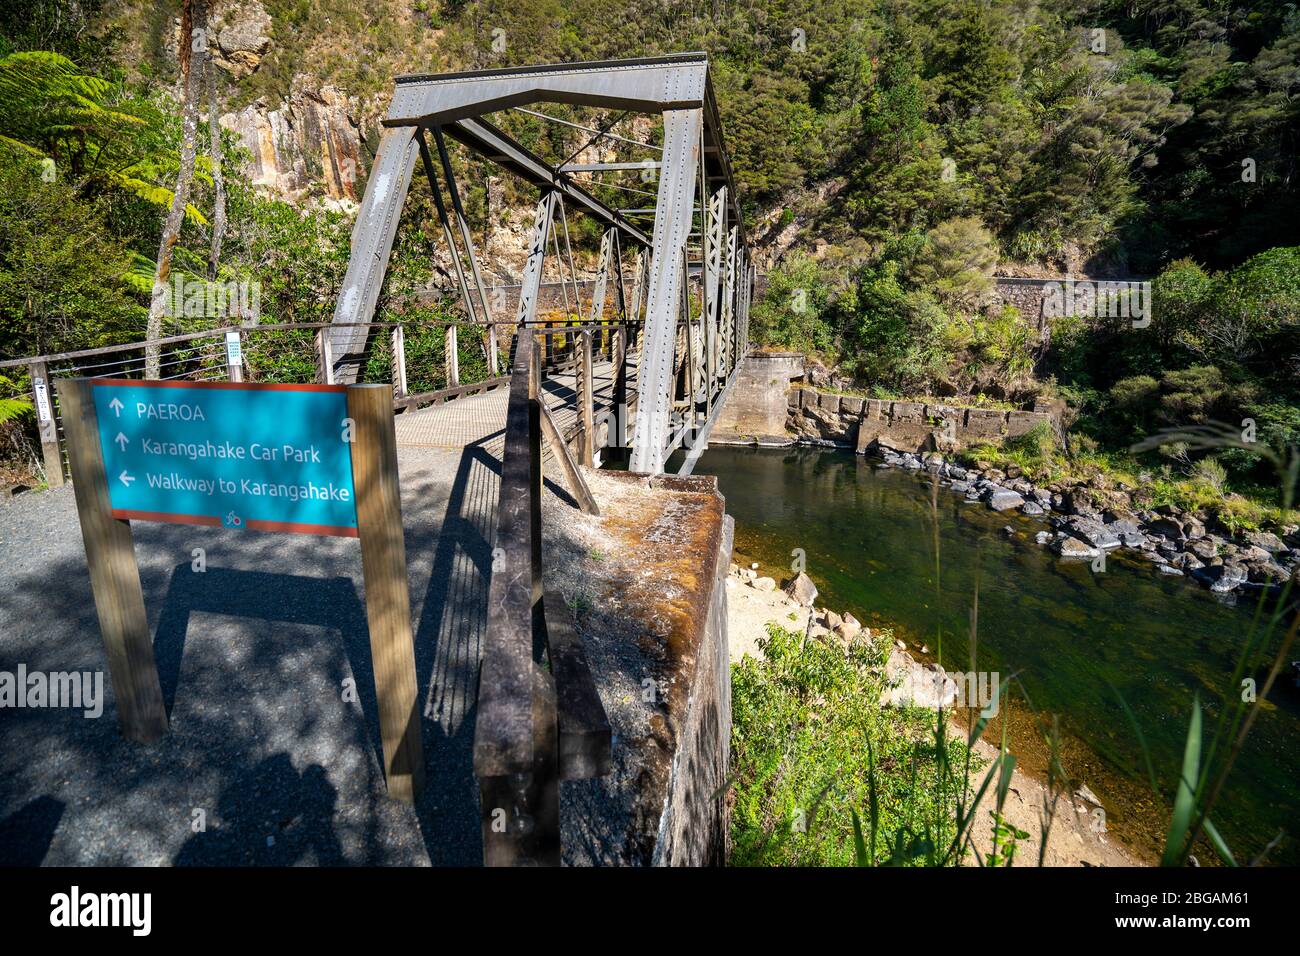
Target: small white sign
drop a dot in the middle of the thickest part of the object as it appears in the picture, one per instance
(234, 349)
(42, 400)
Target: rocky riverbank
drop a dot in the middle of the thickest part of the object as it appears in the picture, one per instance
(1086, 521)
(755, 601)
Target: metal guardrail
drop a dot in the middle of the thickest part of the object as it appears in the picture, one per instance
(278, 352)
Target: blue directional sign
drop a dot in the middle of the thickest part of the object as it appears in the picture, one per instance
(234, 455)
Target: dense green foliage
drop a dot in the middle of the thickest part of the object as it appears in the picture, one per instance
(914, 145)
(810, 748)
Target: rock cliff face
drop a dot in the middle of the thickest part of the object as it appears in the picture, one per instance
(311, 144)
(241, 35)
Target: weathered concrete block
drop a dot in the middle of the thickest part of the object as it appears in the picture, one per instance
(908, 413)
(943, 412)
(851, 406)
(829, 402)
(985, 423)
(874, 409)
(1018, 423)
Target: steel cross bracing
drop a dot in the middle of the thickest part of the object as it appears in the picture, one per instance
(693, 173)
(684, 323)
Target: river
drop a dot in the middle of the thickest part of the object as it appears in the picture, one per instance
(1067, 632)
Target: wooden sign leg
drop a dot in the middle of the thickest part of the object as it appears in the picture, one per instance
(114, 575)
(388, 597)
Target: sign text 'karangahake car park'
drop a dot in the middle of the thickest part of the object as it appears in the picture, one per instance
(310, 459)
(263, 457)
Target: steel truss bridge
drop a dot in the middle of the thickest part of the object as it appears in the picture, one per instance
(686, 348)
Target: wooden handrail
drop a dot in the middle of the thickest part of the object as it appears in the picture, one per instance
(535, 725)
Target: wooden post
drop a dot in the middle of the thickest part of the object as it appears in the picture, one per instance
(399, 362)
(493, 367)
(561, 453)
(586, 402)
(324, 357)
(388, 598)
(43, 402)
(114, 575)
(618, 426)
(530, 802)
(452, 356)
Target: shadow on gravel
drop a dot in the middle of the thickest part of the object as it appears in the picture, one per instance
(448, 650)
(269, 597)
(270, 815)
(26, 834)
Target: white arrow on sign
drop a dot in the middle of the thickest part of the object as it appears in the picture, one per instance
(121, 441)
(116, 406)
(126, 479)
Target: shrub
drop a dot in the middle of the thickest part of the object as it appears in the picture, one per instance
(809, 741)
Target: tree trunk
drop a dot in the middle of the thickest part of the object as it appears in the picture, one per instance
(218, 178)
(193, 12)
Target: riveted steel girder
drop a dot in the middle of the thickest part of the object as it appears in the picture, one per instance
(673, 213)
(649, 85)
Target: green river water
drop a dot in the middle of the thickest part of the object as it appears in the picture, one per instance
(1069, 633)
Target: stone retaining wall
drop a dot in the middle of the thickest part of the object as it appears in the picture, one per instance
(867, 423)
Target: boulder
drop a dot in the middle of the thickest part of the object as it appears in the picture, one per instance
(1222, 578)
(1265, 572)
(1167, 528)
(1265, 540)
(1032, 508)
(1001, 499)
(801, 590)
(849, 627)
(1093, 532)
(1069, 547)
(763, 584)
(912, 684)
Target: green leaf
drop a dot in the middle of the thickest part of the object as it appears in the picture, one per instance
(1219, 844)
(1176, 843)
(860, 857)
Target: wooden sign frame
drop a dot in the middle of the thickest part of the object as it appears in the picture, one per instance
(119, 598)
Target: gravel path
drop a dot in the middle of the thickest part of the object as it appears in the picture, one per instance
(253, 656)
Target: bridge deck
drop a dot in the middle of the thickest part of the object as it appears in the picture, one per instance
(481, 419)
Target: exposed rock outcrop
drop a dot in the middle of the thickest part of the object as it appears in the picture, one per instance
(311, 142)
(241, 36)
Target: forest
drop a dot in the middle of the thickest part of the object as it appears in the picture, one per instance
(892, 156)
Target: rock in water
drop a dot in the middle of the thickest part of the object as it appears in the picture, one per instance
(801, 589)
(1000, 499)
(1074, 548)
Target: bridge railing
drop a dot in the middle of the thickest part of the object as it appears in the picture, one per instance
(539, 718)
(425, 361)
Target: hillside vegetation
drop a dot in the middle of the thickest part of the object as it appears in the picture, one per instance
(890, 156)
